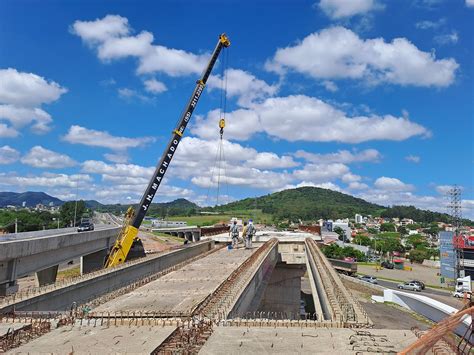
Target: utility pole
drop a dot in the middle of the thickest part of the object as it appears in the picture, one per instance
(75, 207)
(16, 225)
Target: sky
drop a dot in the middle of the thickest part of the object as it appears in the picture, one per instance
(373, 98)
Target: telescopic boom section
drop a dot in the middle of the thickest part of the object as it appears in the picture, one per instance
(124, 242)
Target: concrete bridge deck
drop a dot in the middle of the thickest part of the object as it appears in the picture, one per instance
(182, 290)
(32, 253)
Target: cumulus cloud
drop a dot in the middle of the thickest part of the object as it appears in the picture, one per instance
(154, 86)
(342, 156)
(120, 170)
(413, 158)
(339, 53)
(21, 95)
(94, 138)
(113, 39)
(8, 155)
(303, 118)
(46, 179)
(40, 157)
(318, 173)
(337, 9)
(392, 184)
(470, 3)
(243, 85)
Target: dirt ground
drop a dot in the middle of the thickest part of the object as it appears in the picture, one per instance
(385, 316)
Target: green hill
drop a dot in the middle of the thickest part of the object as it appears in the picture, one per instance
(307, 203)
(179, 207)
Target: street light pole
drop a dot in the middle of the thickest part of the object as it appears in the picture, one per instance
(75, 207)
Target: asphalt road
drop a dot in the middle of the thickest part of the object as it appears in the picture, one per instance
(439, 295)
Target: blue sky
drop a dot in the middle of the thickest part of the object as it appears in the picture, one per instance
(369, 97)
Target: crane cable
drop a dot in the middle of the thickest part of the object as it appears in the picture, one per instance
(220, 162)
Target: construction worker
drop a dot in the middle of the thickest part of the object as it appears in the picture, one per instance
(249, 233)
(234, 233)
(244, 233)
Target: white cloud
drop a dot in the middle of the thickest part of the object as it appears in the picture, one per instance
(425, 25)
(392, 184)
(300, 117)
(130, 94)
(120, 157)
(21, 94)
(8, 155)
(349, 177)
(241, 124)
(40, 157)
(443, 189)
(339, 53)
(342, 156)
(330, 85)
(449, 38)
(94, 138)
(154, 86)
(470, 3)
(113, 39)
(267, 160)
(318, 173)
(7, 132)
(413, 158)
(244, 85)
(337, 9)
(27, 89)
(121, 170)
(47, 180)
(356, 185)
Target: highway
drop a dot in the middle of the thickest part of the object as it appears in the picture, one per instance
(439, 295)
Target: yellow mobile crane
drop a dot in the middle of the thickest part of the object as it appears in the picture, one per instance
(133, 218)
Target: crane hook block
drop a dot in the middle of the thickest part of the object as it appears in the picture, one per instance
(221, 123)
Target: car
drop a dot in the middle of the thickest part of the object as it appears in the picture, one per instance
(85, 226)
(409, 286)
(370, 279)
(387, 265)
(419, 283)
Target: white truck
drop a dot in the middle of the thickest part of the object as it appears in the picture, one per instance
(463, 285)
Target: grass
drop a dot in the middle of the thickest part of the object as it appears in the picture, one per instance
(160, 236)
(69, 273)
(208, 220)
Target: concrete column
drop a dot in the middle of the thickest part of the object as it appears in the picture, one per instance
(8, 288)
(196, 236)
(47, 276)
(181, 234)
(188, 236)
(283, 293)
(92, 262)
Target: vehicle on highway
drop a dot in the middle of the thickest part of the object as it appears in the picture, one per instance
(459, 294)
(419, 283)
(409, 286)
(85, 225)
(370, 279)
(344, 267)
(387, 265)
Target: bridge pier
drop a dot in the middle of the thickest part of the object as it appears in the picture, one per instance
(94, 261)
(8, 288)
(47, 276)
(196, 236)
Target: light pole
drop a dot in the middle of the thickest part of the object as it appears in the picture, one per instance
(75, 207)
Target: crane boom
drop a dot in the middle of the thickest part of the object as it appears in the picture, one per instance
(128, 235)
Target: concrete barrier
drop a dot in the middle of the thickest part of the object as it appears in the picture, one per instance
(93, 285)
(426, 306)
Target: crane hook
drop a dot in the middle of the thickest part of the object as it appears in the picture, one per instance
(221, 126)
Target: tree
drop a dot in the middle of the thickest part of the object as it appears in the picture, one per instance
(388, 227)
(362, 240)
(66, 212)
(342, 234)
(402, 230)
(418, 255)
(416, 241)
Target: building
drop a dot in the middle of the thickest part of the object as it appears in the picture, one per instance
(344, 225)
(159, 223)
(359, 219)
